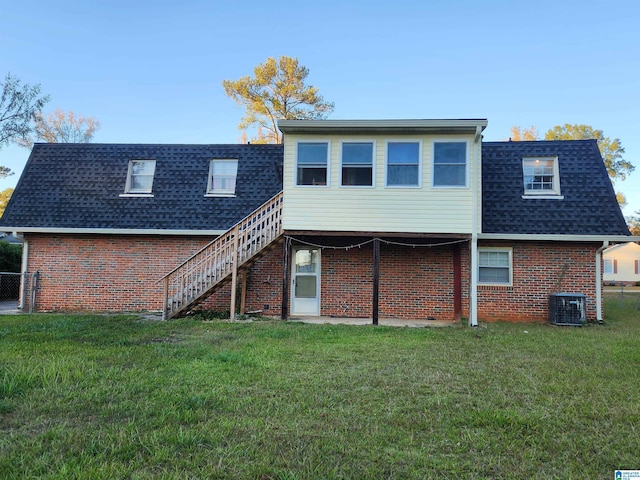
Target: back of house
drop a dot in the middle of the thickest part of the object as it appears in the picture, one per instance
(415, 219)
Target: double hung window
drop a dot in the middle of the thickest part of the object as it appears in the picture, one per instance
(495, 266)
(403, 164)
(541, 176)
(140, 176)
(357, 163)
(312, 163)
(222, 177)
(450, 164)
(610, 266)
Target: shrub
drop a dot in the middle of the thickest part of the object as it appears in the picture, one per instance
(10, 257)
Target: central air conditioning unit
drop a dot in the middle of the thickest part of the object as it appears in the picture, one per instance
(567, 309)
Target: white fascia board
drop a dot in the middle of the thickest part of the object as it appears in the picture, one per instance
(617, 246)
(111, 231)
(558, 238)
(397, 126)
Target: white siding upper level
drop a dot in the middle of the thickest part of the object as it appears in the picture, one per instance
(395, 176)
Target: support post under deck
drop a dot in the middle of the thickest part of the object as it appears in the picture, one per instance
(234, 274)
(286, 280)
(457, 282)
(376, 279)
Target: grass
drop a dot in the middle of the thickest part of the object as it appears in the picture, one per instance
(121, 397)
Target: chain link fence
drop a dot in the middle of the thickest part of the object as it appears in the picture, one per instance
(18, 291)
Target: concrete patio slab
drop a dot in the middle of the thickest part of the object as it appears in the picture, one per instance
(388, 322)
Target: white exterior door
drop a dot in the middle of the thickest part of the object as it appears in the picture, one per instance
(305, 281)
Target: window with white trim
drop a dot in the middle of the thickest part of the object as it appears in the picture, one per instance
(541, 176)
(222, 177)
(312, 162)
(450, 164)
(403, 164)
(357, 164)
(609, 265)
(495, 266)
(140, 176)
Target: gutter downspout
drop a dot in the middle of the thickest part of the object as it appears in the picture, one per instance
(605, 244)
(475, 222)
(23, 269)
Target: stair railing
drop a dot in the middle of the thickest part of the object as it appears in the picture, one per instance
(195, 279)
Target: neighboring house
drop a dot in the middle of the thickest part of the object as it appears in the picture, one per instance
(10, 238)
(621, 264)
(369, 218)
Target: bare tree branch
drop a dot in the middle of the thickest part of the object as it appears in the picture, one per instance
(19, 105)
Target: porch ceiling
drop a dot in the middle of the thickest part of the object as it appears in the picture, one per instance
(328, 233)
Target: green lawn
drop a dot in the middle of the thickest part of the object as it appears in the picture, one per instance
(120, 397)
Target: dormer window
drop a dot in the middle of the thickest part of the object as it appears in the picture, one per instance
(140, 176)
(541, 176)
(222, 177)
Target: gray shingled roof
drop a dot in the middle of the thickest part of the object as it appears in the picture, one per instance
(589, 206)
(79, 186)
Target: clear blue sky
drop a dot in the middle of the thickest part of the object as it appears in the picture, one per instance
(151, 71)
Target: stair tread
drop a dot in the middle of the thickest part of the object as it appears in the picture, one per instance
(260, 230)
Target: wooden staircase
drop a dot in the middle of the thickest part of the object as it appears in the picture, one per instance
(199, 276)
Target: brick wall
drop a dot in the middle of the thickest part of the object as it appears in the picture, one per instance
(105, 273)
(346, 282)
(539, 269)
(264, 287)
(264, 283)
(121, 273)
(414, 282)
(418, 282)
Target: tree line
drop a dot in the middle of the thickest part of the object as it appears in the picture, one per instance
(22, 122)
